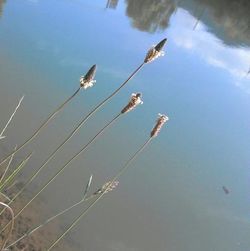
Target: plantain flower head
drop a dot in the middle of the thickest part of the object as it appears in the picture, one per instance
(155, 52)
(134, 101)
(107, 187)
(162, 119)
(88, 80)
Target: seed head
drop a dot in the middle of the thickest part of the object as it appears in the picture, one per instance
(88, 80)
(134, 101)
(160, 45)
(155, 52)
(107, 187)
(159, 123)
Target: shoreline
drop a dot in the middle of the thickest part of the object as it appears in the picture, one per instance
(35, 214)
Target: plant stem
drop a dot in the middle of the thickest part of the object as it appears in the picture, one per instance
(11, 117)
(41, 126)
(65, 165)
(123, 169)
(84, 199)
(11, 227)
(12, 176)
(15, 172)
(75, 131)
(7, 168)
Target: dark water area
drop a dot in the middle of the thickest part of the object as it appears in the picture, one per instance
(174, 198)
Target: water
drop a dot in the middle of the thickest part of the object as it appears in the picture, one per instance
(172, 199)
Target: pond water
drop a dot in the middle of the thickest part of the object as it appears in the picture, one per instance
(173, 197)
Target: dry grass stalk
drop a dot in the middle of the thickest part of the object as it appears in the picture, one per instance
(11, 117)
(17, 170)
(2, 245)
(8, 166)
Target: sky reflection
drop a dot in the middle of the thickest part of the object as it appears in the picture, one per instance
(233, 60)
(173, 198)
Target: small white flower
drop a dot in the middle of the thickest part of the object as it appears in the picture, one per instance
(155, 52)
(107, 187)
(88, 80)
(163, 117)
(86, 83)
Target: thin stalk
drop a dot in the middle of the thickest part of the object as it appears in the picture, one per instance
(5, 196)
(12, 176)
(65, 165)
(84, 199)
(11, 227)
(10, 186)
(41, 126)
(8, 166)
(75, 131)
(123, 169)
(15, 172)
(11, 117)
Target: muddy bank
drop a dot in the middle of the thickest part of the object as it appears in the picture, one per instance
(32, 216)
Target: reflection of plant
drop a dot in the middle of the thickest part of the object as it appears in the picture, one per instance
(85, 82)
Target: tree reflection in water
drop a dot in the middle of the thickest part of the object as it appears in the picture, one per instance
(229, 20)
(2, 2)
